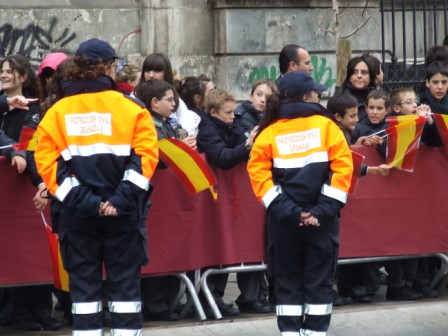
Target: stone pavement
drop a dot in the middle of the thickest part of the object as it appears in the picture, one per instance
(428, 317)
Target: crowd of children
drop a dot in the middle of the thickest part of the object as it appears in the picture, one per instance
(360, 282)
(207, 119)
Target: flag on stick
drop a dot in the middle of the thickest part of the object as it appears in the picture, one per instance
(60, 275)
(403, 140)
(195, 174)
(358, 160)
(27, 141)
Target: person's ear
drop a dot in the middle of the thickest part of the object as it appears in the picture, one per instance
(197, 99)
(292, 66)
(306, 97)
(23, 78)
(427, 83)
(338, 117)
(154, 103)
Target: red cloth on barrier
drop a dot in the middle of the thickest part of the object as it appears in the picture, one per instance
(187, 233)
(403, 213)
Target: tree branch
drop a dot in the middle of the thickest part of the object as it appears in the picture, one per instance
(358, 28)
(365, 8)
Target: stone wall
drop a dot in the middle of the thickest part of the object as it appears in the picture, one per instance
(234, 42)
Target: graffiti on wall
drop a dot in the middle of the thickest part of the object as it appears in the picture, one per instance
(257, 73)
(34, 41)
(322, 73)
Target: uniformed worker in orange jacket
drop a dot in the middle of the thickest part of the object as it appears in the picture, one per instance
(300, 168)
(97, 151)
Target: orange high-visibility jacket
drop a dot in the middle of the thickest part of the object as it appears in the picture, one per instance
(94, 147)
(302, 163)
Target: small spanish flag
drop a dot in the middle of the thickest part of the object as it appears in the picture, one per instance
(441, 121)
(195, 174)
(403, 140)
(358, 160)
(60, 275)
(27, 141)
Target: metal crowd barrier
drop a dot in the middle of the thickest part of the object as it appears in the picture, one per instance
(262, 267)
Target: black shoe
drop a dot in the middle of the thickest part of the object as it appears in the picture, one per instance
(162, 316)
(227, 310)
(364, 299)
(340, 300)
(256, 307)
(403, 293)
(49, 323)
(426, 291)
(270, 304)
(361, 294)
(28, 324)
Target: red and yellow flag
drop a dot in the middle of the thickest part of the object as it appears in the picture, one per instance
(187, 165)
(441, 121)
(403, 140)
(60, 275)
(27, 141)
(358, 160)
(393, 121)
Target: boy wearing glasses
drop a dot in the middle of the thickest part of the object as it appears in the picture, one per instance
(403, 101)
(160, 98)
(159, 293)
(401, 273)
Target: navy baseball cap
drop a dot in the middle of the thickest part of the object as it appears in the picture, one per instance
(97, 50)
(298, 83)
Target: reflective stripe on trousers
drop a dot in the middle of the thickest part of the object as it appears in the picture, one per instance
(126, 332)
(318, 309)
(96, 332)
(306, 332)
(125, 307)
(289, 310)
(113, 332)
(83, 308)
